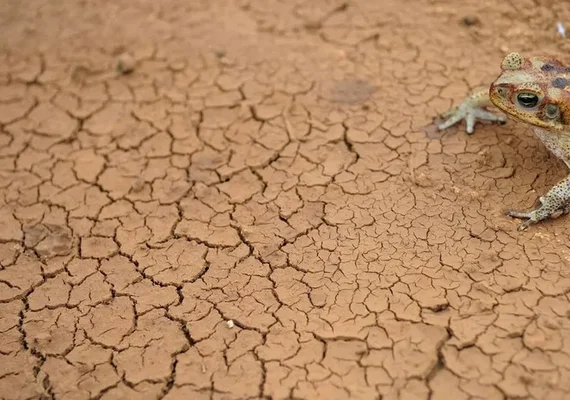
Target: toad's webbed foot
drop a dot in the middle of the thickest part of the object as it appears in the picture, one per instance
(471, 110)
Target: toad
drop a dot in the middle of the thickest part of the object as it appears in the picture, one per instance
(534, 91)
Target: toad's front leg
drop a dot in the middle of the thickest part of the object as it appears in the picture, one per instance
(553, 204)
(471, 109)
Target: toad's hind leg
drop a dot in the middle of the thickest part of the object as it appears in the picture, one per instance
(553, 204)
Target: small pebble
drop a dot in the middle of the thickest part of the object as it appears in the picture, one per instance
(230, 324)
(470, 20)
(137, 186)
(561, 29)
(227, 61)
(126, 63)
(177, 65)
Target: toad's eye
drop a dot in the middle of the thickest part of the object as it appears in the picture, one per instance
(527, 100)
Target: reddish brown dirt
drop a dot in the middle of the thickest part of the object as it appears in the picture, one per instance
(263, 209)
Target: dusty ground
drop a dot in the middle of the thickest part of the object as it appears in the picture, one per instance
(273, 163)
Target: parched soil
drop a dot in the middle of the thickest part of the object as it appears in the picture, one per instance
(243, 199)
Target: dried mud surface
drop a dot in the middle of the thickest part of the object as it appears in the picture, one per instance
(262, 208)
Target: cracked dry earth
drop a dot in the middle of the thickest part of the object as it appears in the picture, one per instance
(263, 208)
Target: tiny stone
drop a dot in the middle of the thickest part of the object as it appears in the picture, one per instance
(138, 185)
(470, 20)
(126, 63)
(230, 324)
(177, 65)
(226, 61)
